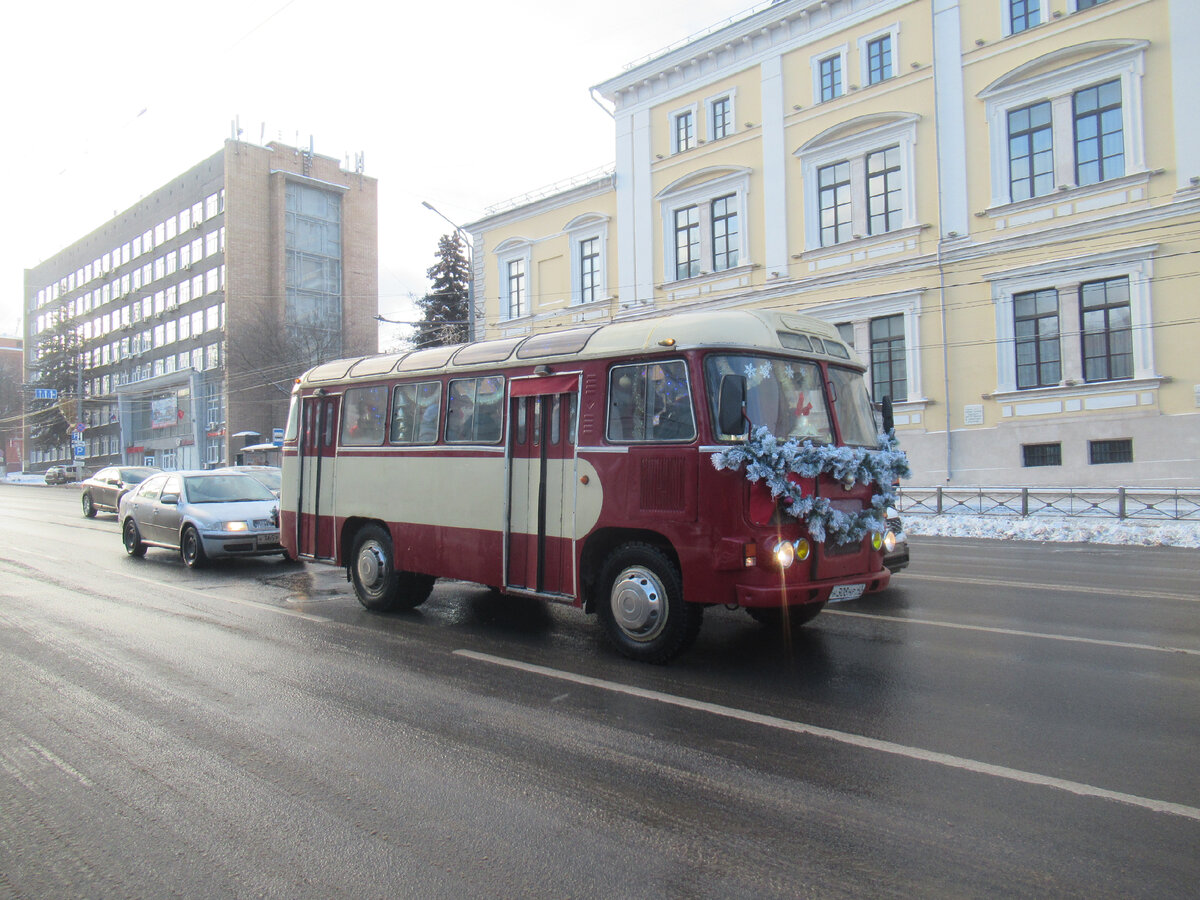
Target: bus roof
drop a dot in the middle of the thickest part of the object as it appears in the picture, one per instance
(758, 329)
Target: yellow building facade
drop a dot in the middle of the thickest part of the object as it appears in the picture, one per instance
(997, 202)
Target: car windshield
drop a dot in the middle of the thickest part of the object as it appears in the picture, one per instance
(224, 489)
(136, 476)
(269, 478)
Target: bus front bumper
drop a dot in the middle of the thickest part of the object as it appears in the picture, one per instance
(832, 591)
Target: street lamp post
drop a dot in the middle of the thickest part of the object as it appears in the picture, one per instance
(470, 266)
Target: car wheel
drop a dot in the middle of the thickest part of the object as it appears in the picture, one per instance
(786, 619)
(191, 548)
(377, 584)
(642, 606)
(89, 508)
(132, 539)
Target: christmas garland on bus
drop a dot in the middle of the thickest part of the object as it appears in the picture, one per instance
(770, 460)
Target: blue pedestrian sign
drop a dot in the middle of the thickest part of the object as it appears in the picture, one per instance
(45, 393)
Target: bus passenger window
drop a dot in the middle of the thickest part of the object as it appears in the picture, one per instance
(476, 410)
(363, 422)
(416, 409)
(650, 402)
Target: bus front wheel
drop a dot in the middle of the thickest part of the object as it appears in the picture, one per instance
(644, 613)
(379, 586)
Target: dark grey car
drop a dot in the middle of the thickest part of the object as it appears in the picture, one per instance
(104, 490)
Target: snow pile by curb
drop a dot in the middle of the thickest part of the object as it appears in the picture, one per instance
(1082, 531)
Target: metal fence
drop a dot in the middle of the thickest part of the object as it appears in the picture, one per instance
(1155, 504)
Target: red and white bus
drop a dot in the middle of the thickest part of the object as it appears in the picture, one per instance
(577, 466)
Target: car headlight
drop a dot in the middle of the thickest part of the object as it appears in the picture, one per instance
(232, 526)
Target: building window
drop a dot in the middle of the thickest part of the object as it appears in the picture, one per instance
(703, 227)
(724, 233)
(517, 293)
(1035, 327)
(687, 242)
(1099, 134)
(859, 181)
(1030, 151)
(720, 114)
(589, 269)
(1102, 453)
(313, 265)
(833, 182)
(1087, 4)
(884, 191)
(1107, 330)
(888, 375)
(831, 77)
(879, 59)
(1057, 123)
(683, 130)
(1023, 15)
(1033, 455)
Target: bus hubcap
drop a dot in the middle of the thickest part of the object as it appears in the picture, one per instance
(371, 564)
(639, 604)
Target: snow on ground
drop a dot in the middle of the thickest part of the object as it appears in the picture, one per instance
(1091, 530)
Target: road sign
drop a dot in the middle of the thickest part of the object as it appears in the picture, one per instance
(80, 449)
(80, 428)
(277, 437)
(45, 393)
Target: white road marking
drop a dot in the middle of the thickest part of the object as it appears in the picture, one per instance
(843, 737)
(1071, 588)
(1013, 632)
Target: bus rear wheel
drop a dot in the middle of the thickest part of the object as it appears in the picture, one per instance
(642, 607)
(379, 587)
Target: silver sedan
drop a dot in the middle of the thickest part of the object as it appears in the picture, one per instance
(203, 515)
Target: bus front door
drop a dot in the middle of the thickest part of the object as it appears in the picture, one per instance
(317, 447)
(539, 538)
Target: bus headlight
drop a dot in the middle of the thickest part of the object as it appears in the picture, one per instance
(889, 541)
(877, 540)
(784, 553)
(802, 550)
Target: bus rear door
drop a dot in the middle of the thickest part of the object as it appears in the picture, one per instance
(317, 447)
(539, 532)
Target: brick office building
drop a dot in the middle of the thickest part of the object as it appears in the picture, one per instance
(198, 306)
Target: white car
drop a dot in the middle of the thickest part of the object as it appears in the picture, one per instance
(203, 515)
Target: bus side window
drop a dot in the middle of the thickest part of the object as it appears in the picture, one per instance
(476, 410)
(363, 421)
(416, 409)
(650, 402)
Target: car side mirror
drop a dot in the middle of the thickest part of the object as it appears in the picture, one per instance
(169, 499)
(115, 481)
(731, 403)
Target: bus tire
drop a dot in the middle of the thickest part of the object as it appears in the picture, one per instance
(379, 587)
(642, 607)
(776, 618)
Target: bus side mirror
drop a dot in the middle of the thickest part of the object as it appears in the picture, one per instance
(731, 402)
(889, 420)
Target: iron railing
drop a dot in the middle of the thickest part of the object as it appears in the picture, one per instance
(1158, 504)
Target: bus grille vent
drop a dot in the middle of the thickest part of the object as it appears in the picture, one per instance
(662, 484)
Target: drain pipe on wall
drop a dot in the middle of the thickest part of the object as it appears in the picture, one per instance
(945, 356)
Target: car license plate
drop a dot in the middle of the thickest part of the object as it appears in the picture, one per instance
(268, 538)
(846, 592)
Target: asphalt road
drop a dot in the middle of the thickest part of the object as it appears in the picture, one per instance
(1008, 719)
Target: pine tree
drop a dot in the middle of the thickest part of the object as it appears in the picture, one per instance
(57, 367)
(444, 310)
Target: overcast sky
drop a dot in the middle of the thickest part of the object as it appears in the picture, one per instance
(462, 104)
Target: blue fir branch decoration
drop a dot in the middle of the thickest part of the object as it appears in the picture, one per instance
(770, 460)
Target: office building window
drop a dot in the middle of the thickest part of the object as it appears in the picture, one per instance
(884, 191)
(687, 242)
(831, 77)
(704, 230)
(1030, 151)
(724, 232)
(589, 269)
(720, 112)
(1035, 326)
(684, 131)
(1023, 14)
(1107, 330)
(518, 299)
(1033, 455)
(833, 182)
(879, 59)
(1102, 453)
(1099, 133)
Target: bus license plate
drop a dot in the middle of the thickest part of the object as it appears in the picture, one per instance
(846, 592)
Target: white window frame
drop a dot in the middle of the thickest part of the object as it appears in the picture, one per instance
(673, 120)
(843, 53)
(1066, 276)
(864, 63)
(509, 251)
(826, 149)
(584, 228)
(1058, 86)
(700, 189)
(710, 123)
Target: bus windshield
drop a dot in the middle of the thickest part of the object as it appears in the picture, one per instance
(855, 415)
(785, 395)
